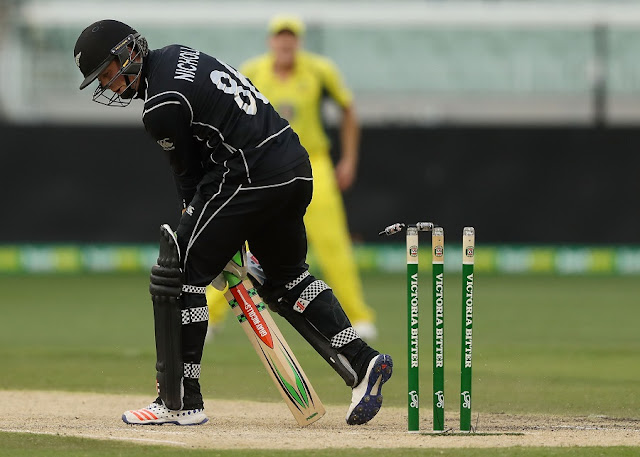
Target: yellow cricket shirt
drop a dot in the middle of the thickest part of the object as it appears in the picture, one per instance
(299, 97)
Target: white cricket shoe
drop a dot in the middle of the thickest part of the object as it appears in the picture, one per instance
(156, 414)
(366, 397)
(366, 330)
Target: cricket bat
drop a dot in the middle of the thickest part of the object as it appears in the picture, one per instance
(273, 350)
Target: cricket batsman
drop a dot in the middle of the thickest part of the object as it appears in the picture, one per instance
(242, 176)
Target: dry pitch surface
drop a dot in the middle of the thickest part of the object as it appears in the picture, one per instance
(243, 424)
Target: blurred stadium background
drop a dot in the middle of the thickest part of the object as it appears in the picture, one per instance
(521, 118)
(518, 117)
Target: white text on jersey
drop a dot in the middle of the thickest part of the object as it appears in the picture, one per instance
(187, 64)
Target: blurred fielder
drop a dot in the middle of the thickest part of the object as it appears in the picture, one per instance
(296, 83)
(235, 162)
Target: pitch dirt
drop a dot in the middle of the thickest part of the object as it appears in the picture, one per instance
(243, 424)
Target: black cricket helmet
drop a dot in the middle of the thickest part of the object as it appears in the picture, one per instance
(100, 44)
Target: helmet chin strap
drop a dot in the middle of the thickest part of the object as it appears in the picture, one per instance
(129, 92)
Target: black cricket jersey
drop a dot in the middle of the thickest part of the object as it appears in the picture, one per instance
(213, 123)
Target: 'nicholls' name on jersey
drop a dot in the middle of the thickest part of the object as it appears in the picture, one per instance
(187, 64)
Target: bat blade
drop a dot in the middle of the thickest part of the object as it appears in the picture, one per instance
(275, 353)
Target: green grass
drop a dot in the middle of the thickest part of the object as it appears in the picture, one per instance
(26, 445)
(549, 345)
(542, 345)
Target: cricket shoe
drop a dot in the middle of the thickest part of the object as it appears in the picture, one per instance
(159, 414)
(366, 397)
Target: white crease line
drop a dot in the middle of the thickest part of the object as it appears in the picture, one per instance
(149, 440)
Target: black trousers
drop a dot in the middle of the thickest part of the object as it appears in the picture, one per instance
(268, 214)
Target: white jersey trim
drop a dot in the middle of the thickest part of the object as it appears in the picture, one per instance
(279, 184)
(229, 147)
(273, 136)
(176, 93)
(246, 165)
(172, 102)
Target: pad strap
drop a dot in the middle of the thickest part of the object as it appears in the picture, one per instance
(344, 337)
(190, 315)
(193, 289)
(192, 370)
(308, 294)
